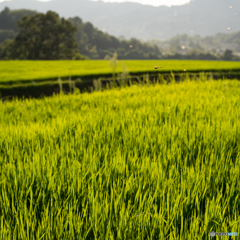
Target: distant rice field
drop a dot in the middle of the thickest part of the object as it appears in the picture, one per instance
(42, 70)
(143, 162)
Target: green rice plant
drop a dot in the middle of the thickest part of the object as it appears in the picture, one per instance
(97, 84)
(113, 64)
(60, 85)
(71, 85)
(161, 79)
(156, 162)
(203, 77)
(172, 79)
(124, 76)
(146, 79)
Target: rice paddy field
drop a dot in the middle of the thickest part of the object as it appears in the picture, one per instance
(14, 71)
(141, 162)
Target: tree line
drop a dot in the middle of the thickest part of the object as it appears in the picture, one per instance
(26, 34)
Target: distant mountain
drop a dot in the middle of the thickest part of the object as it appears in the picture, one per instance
(184, 44)
(202, 17)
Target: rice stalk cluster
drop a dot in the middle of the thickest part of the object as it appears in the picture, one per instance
(142, 162)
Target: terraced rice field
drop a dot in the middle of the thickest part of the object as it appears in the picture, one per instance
(14, 71)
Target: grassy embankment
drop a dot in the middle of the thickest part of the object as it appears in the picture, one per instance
(156, 162)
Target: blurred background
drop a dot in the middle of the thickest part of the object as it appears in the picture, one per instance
(135, 29)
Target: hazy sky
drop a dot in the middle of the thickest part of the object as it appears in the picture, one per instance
(148, 2)
(152, 2)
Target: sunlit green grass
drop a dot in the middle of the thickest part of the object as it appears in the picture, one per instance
(83, 166)
(37, 70)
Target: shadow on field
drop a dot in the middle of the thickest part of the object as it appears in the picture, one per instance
(39, 89)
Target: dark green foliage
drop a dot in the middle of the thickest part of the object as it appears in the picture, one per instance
(8, 23)
(8, 19)
(44, 37)
(5, 49)
(6, 34)
(228, 55)
(78, 56)
(192, 55)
